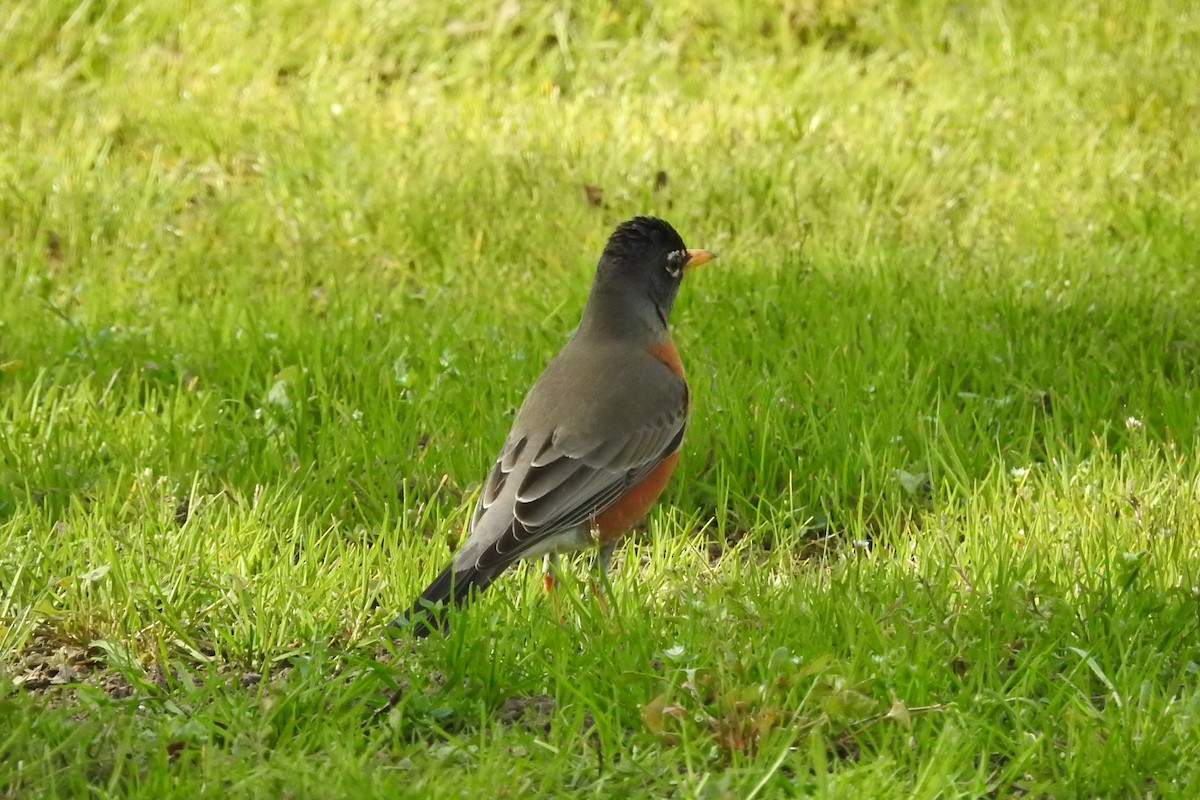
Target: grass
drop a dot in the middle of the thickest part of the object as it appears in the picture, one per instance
(275, 276)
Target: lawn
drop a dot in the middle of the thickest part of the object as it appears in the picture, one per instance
(274, 277)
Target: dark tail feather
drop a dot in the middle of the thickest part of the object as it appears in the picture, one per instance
(449, 588)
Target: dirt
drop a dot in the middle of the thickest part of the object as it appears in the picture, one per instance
(531, 713)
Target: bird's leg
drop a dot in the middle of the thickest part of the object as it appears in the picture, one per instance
(604, 563)
(549, 570)
(603, 570)
(549, 579)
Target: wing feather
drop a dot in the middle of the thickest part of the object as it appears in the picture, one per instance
(548, 480)
(560, 490)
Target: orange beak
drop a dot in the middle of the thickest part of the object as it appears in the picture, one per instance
(698, 257)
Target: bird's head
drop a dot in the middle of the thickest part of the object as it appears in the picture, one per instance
(646, 257)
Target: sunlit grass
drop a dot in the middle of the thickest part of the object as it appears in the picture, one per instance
(275, 278)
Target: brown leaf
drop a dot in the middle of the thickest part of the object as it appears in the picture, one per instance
(65, 674)
(765, 721)
(652, 713)
(732, 739)
(54, 248)
(183, 511)
(899, 712)
(594, 195)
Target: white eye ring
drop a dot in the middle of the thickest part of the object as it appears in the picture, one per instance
(675, 262)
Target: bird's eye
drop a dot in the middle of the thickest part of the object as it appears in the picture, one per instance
(675, 262)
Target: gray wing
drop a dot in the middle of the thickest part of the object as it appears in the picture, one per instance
(546, 482)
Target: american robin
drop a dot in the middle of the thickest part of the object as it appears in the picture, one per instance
(597, 437)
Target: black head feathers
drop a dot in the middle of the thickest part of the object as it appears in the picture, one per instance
(641, 236)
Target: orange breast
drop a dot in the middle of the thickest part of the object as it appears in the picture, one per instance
(633, 505)
(666, 353)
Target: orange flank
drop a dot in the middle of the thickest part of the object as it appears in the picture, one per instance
(666, 353)
(633, 505)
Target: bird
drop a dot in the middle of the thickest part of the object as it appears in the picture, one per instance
(597, 436)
